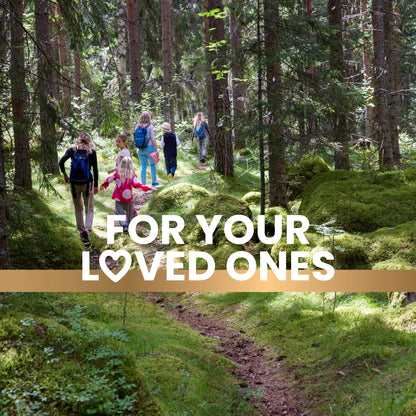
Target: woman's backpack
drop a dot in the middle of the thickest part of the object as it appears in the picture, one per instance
(140, 137)
(80, 168)
(200, 132)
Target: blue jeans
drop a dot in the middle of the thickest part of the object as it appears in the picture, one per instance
(144, 157)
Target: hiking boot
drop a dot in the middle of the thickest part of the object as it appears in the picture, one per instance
(155, 183)
(169, 177)
(85, 238)
(202, 160)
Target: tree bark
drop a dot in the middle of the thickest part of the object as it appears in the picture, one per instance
(122, 71)
(4, 239)
(168, 112)
(19, 97)
(237, 71)
(47, 112)
(63, 62)
(367, 67)
(77, 77)
(393, 66)
(336, 63)
(208, 77)
(381, 113)
(276, 141)
(134, 50)
(224, 163)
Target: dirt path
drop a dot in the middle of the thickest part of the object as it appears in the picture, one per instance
(262, 378)
(261, 375)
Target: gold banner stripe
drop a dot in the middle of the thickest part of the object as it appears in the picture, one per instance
(220, 281)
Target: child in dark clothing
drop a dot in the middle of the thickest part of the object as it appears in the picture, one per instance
(169, 144)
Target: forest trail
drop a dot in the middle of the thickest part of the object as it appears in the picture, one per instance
(262, 379)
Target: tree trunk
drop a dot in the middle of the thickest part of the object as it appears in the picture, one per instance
(237, 70)
(210, 98)
(381, 113)
(47, 113)
(77, 77)
(276, 148)
(122, 54)
(393, 66)
(134, 50)
(310, 70)
(336, 63)
(260, 110)
(4, 240)
(168, 112)
(224, 162)
(54, 53)
(367, 67)
(19, 97)
(63, 62)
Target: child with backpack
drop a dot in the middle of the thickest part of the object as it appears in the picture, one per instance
(121, 143)
(125, 180)
(83, 185)
(145, 142)
(200, 130)
(169, 144)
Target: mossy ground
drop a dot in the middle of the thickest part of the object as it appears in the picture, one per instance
(357, 360)
(68, 354)
(361, 202)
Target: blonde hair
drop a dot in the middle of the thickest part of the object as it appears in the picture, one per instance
(144, 119)
(199, 119)
(123, 137)
(84, 142)
(126, 169)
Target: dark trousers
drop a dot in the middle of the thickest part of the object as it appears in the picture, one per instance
(170, 162)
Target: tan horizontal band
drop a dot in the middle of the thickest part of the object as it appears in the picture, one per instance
(220, 281)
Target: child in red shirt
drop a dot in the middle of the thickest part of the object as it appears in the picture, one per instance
(125, 180)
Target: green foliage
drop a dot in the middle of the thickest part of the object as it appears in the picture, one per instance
(58, 359)
(252, 197)
(360, 202)
(307, 167)
(349, 251)
(354, 361)
(182, 197)
(40, 238)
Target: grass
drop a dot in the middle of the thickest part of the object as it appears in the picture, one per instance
(69, 354)
(358, 360)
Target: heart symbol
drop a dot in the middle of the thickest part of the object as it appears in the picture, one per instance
(115, 255)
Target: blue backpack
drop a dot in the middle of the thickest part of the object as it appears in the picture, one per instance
(200, 132)
(140, 137)
(80, 168)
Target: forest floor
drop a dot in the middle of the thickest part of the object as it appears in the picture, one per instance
(262, 379)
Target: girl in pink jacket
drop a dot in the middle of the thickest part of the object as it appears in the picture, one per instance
(125, 180)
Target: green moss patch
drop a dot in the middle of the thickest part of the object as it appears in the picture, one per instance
(252, 197)
(393, 248)
(180, 196)
(361, 202)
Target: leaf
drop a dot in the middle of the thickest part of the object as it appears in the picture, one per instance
(341, 372)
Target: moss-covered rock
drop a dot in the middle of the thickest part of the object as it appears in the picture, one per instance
(393, 248)
(288, 248)
(225, 205)
(310, 166)
(360, 202)
(223, 252)
(307, 167)
(182, 195)
(349, 251)
(294, 206)
(392, 264)
(253, 197)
